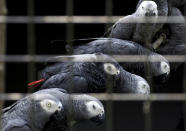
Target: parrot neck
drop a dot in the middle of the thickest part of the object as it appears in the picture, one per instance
(38, 116)
(73, 107)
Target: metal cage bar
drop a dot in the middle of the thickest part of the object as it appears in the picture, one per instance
(69, 37)
(31, 42)
(69, 24)
(68, 58)
(184, 80)
(109, 83)
(69, 20)
(113, 96)
(77, 19)
(3, 11)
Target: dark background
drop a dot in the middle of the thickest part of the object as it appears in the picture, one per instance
(127, 116)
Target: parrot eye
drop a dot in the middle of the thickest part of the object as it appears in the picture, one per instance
(49, 105)
(109, 68)
(94, 107)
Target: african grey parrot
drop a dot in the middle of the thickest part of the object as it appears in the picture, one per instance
(143, 27)
(163, 7)
(47, 110)
(114, 46)
(80, 76)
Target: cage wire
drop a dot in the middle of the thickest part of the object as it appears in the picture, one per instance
(3, 12)
(31, 72)
(70, 20)
(78, 19)
(184, 81)
(109, 80)
(69, 37)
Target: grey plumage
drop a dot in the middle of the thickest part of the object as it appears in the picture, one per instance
(122, 47)
(32, 112)
(176, 40)
(36, 112)
(163, 10)
(80, 76)
(143, 27)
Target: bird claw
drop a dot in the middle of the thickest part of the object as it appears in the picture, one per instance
(163, 35)
(159, 41)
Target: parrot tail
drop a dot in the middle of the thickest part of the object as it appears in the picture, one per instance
(35, 83)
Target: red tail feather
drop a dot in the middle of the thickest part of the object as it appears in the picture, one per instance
(35, 83)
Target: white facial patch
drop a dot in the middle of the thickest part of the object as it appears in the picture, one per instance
(50, 106)
(94, 109)
(148, 8)
(165, 68)
(111, 69)
(143, 87)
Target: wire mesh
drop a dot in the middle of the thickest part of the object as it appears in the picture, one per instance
(69, 37)
(79, 19)
(110, 81)
(68, 58)
(184, 84)
(31, 58)
(112, 96)
(3, 11)
(31, 43)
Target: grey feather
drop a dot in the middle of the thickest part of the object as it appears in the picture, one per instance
(141, 32)
(92, 76)
(29, 114)
(16, 125)
(122, 47)
(176, 40)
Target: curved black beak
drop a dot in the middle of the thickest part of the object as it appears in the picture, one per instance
(150, 13)
(161, 79)
(99, 119)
